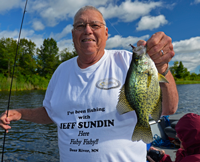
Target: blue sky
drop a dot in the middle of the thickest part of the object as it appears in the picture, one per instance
(127, 20)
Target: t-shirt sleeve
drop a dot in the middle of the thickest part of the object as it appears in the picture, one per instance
(48, 97)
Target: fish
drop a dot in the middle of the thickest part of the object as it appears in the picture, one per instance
(141, 93)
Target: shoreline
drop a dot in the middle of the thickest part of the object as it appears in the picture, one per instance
(187, 82)
(29, 88)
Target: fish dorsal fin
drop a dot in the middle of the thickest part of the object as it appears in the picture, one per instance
(123, 105)
(162, 79)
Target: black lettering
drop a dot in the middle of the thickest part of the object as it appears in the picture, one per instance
(96, 124)
(80, 125)
(67, 125)
(100, 123)
(81, 133)
(110, 122)
(73, 125)
(94, 150)
(93, 124)
(86, 124)
(73, 150)
(70, 112)
(80, 111)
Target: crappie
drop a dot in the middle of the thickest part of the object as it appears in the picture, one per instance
(142, 93)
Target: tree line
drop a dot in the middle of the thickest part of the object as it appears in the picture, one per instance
(35, 66)
(180, 72)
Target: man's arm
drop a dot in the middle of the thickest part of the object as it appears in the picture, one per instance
(37, 115)
(169, 95)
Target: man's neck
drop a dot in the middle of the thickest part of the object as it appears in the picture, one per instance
(88, 60)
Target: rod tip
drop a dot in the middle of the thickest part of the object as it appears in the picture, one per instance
(132, 46)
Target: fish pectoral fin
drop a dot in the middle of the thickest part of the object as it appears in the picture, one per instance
(142, 133)
(146, 71)
(162, 79)
(123, 105)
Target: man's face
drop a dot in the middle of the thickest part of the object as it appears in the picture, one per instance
(89, 41)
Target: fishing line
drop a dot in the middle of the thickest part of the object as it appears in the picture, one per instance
(18, 41)
(114, 27)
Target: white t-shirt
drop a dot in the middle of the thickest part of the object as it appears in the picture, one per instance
(82, 102)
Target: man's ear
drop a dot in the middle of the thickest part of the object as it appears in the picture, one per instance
(72, 35)
(106, 33)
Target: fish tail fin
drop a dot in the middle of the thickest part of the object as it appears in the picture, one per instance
(123, 106)
(142, 133)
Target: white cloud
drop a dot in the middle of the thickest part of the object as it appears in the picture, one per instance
(118, 41)
(15, 34)
(195, 2)
(55, 11)
(150, 22)
(52, 12)
(129, 11)
(28, 34)
(191, 60)
(65, 44)
(6, 5)
(38, 25)
(188, 51)
(188, 45)
(37, 39)
(64, 32)
(9, 34)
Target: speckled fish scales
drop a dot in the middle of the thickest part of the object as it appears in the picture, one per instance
(141, 92)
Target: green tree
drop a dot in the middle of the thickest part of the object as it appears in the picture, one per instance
(193, 76)
(7, 55)
(48, 58)
(27, 62)
(179, 71)
(173, 69)
(66, 55)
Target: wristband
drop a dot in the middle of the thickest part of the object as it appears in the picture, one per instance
(165, 73)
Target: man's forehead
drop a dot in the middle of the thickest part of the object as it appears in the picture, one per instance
(81, 15)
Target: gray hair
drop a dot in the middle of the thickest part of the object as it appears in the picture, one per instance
(82, 9)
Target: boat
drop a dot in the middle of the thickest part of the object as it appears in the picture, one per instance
(164, 131)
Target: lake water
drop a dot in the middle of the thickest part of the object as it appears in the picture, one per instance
(38, 143)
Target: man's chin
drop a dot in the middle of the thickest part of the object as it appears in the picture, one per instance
(89, 51)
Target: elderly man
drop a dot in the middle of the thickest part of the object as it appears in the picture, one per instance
(82, 95)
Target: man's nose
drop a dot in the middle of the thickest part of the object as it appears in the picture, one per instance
(88, 29)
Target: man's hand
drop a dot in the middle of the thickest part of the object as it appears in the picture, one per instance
(159, 41)
(162, 152)
(13, 115)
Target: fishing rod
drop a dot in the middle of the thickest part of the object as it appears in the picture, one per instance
(18, 42)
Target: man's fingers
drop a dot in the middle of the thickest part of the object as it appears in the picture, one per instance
(150, 159)
(160, 49)
(4, 125)
(156, 42)
(141, 43)
(5, 121)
